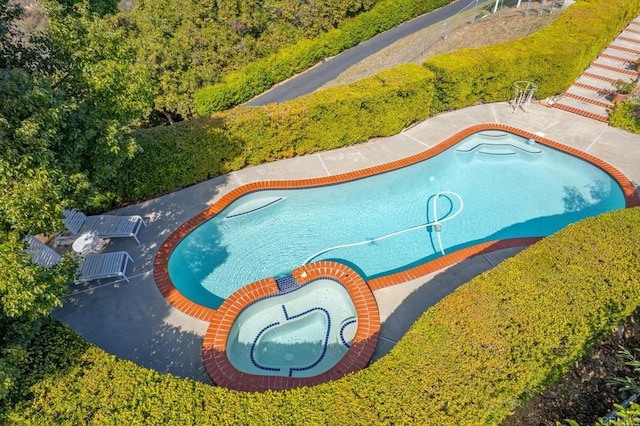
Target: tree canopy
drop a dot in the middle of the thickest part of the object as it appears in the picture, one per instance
(189, 44)
(68, 98)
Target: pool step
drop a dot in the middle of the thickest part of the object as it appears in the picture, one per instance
(252, 206)
(497, 149)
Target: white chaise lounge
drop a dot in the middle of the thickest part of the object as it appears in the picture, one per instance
(41, 253)
(104, 226)
(104, 265)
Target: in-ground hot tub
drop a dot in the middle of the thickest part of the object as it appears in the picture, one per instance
(300, 333)
(321, 326)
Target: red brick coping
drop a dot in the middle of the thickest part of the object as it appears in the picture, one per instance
(223, 373)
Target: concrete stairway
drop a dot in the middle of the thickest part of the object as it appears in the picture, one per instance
(591, 94)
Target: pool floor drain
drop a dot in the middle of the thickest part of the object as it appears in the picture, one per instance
(288, 357)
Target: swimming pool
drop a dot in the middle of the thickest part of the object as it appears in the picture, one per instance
(300, 333)
(499, 185)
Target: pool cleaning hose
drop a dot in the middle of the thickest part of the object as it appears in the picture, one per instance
(437, 226)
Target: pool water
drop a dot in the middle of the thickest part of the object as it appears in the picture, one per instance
(499, 186)
(302, 333)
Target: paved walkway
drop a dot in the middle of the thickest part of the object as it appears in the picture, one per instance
(134, 322)
(591, 94)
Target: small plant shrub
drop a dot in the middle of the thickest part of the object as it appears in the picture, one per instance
(624, 87)
(626, 115)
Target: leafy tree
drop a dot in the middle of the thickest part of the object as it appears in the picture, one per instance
(12, 51)
(89, 60)
(69, 98)
(189, 44)
(31, 194)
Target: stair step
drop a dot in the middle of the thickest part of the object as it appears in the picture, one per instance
(622, 54)
(629, 39)
(617, 62)
(617, 58)
(598, 77)
(587, 96)
(583, 104)
(602, 91)
(601, 85)
(626, 71)
(583, 113)
(624, 49)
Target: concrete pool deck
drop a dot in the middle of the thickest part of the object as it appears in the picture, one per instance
(134, 322)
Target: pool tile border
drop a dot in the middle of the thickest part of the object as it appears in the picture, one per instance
(175, 298)
(223, 373)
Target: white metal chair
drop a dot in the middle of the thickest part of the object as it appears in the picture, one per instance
(104, 226)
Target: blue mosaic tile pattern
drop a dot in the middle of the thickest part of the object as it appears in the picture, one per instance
(326, 336)
(287, 283)
(342, 339)
(286, 314)
(253, 347)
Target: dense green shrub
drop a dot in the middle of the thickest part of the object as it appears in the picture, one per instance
(626, 115)
(259, 76)
(469, 360)
(199, 149)
(552, 57)
(186, 45)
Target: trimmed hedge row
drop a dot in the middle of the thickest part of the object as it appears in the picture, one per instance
(470, 359)
(255, 78)
(199, 149)
(552, 57)
(381, 105)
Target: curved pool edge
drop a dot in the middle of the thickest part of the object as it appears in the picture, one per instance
(180, 302)
(223, 373)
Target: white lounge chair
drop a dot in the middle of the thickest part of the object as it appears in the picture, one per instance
(104, 265)
(104, 226)
(92, 267)
(41, 253)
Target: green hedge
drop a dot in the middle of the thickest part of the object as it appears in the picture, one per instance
(469, 360)
(552, 57)
(255, 78)
(192, 151)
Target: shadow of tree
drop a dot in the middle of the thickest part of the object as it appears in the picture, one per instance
(575, 201)
(430, 292)
(132, 320)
